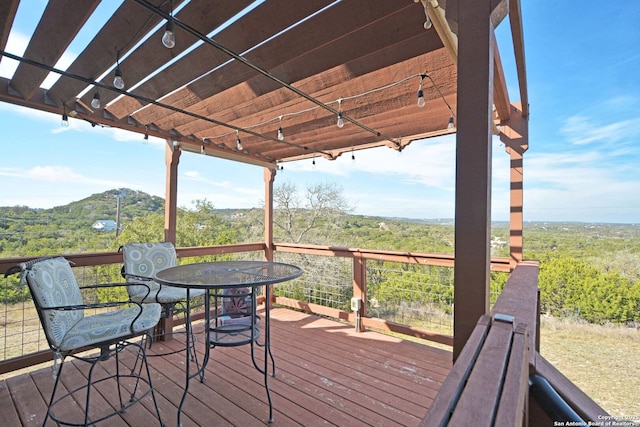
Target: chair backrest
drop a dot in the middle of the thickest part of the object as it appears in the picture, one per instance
(145, 260)
(236, 302)
(52, 284)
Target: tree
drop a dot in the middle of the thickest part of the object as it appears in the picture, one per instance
(322, 205)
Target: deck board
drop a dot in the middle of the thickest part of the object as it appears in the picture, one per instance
(326, 374)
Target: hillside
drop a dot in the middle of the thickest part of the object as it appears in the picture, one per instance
(603, 244)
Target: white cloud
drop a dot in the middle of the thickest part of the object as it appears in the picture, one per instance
(582, 130)
(58, 174)
(580, 187)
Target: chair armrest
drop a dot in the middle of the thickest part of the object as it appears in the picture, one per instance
(92, 305)
(117, 285)
(136, 277)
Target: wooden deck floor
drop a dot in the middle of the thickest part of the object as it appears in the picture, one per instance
(326, 375)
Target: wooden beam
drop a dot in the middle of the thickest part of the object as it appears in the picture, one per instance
(269, 177)
(265, 21)
(151, 56)
(500, 92)
(123, 30)
(514, 133)
(8, 10)
(172, 158)
(473, 168)
(50, 40)
(261, 99)
(336, 22)
(517, 34)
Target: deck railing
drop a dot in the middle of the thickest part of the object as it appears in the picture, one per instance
(403, 292)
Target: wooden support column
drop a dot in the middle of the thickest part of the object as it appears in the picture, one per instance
(473, 168)
(172, 158)
(514, 133)
(360, 286)
(269, 177)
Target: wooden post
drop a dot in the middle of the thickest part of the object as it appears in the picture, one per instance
(473, 168)
(515, 135)
(360, 286)
(172, 158)
(269, 177)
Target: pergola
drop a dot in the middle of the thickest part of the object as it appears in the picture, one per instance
(266, 82)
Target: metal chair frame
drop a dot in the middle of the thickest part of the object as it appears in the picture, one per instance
(112, 347)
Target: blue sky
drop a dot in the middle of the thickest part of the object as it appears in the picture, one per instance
(583, 64)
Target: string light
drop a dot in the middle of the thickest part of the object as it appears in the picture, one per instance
(65, 119)
(421, 101)
(340, 119)
(280, 133)
(427, 23)
(238, 143)
(118, 81)
(353, 156)
(95, 102)
(340, 122)
(169, 38)
(451, 125)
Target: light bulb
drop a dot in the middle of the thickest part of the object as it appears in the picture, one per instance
(280, 134)
(169, 38)
(451, 125)
(353, 157)
(95, 102)
(118, 81)
(421, 101)
(239, 144)
(340, 122)
(65, 120)
(202, 150)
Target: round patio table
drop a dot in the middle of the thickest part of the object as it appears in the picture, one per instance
(214, 278)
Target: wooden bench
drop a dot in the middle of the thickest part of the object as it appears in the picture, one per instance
(488, 384)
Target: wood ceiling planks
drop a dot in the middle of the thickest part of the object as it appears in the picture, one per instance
(50, 40)
(329, 50)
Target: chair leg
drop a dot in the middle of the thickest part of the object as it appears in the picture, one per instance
(153, 393)
(135, 375)
(143, 343)
(90, 382)
(53, 392)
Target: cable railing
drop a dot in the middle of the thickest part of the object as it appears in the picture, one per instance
(402, 292)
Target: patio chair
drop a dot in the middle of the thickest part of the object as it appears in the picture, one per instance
(238, 322)
(69, 328)
(233, 326)
(141, 263)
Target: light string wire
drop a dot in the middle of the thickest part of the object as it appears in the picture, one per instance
(234, 128)
(89, 81)
(338, 101)
(264, 72)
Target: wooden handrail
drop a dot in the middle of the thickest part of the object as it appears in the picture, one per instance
(359, 255)
(489, 380)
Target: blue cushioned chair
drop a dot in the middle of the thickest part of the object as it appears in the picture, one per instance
(69, 327)
(141, 263)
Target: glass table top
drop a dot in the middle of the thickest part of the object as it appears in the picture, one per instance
(227, 274)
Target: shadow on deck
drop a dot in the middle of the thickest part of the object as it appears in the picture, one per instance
(327, 374)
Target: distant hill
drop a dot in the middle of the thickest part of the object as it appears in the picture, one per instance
(100, 206)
